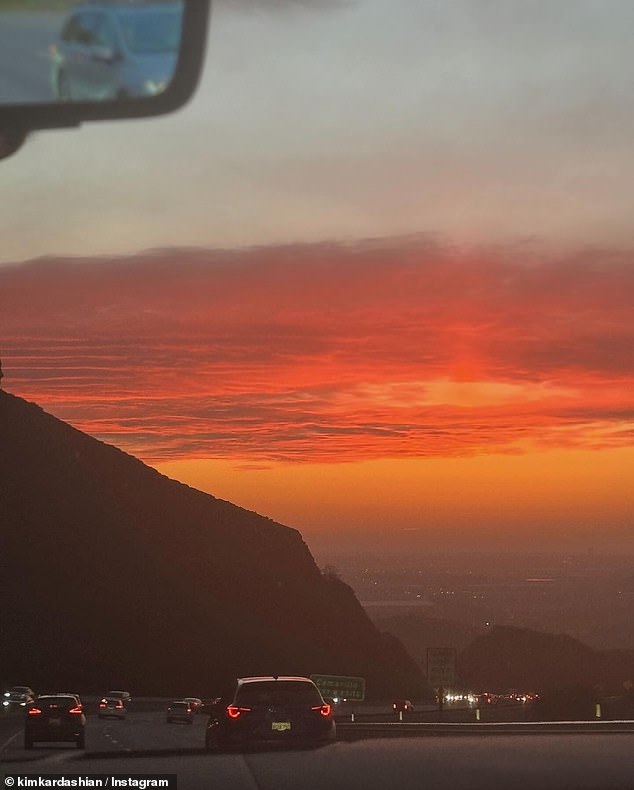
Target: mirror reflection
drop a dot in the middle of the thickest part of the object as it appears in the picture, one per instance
(93, 50)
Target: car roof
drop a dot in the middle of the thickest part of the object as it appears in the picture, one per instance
(51, 696)
(279, 678)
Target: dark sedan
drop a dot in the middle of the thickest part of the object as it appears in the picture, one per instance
(281, 710)
(55, 717)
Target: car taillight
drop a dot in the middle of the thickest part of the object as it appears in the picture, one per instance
(323, 709)
(119, 705)
(76, 709)
(34, 711)
(234, 712)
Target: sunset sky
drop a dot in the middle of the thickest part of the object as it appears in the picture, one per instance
(376, 281)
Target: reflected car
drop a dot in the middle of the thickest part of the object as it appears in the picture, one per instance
(274, 710)
(53, 718)
(115, 50)
(112, 707)
(180, 710)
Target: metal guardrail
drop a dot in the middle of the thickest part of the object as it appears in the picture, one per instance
(381, 729)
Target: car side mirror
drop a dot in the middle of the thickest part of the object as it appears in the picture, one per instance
(53, 92)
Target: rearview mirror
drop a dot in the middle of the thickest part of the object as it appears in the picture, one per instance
(64, 62)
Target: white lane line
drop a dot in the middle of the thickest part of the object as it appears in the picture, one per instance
(6, 743)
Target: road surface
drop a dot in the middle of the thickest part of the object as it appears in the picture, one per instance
(535, 761)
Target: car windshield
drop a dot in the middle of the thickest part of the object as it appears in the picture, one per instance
(277, 693)
(156, 32)
(336, 365)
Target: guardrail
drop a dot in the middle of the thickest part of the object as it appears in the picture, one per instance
(347, 731)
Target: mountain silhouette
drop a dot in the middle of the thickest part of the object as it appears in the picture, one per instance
(117, 576)
(509, 657)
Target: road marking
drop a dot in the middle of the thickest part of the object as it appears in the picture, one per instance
(6, 743)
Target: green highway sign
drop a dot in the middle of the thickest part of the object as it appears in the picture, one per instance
(441, 667)
(340, 687)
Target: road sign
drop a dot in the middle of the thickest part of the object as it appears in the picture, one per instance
(341, 687)
(441, 667)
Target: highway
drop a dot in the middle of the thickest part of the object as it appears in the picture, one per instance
(580, 757)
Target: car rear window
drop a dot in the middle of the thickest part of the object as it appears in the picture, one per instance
(180, 705)
(61, 702)
(278, 692)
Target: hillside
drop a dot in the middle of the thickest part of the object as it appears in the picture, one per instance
(116, 576)
(508, 657)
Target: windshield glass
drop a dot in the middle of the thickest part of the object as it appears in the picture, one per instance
(337, 362)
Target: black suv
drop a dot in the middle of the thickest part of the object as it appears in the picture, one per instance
(55, 717)
(279, 710)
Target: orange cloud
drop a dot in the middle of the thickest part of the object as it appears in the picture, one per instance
(329, 352)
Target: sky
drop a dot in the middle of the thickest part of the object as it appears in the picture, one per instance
(375, 281)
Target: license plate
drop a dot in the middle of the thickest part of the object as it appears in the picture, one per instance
(54, 722)
(280, 726)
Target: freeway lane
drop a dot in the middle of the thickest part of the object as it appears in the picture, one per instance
(535, 762)
(141, 730)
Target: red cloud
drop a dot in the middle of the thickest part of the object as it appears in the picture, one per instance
(329, 352)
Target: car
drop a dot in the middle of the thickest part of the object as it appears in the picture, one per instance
(195, 702)
(180, 710)
(269, 709)
(112, 707)
(403, 706)
(19, 690)
(16, 698)
(53, 718)
(124, 696)
(114, 50)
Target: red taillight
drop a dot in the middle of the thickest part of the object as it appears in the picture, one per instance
(234, 712)
(76, 709)
(103, 705)
(119, 705)
(325, 710)
(34, 711)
